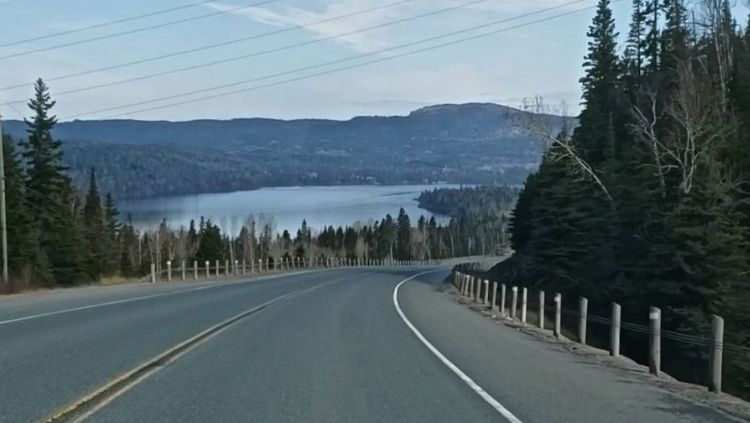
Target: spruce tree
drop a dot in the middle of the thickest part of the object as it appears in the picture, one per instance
(636, 47)
(600, 87)
(93, 225)
(112, 240)
(403, 236)
(50, 193)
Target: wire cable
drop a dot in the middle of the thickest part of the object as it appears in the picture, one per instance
(325, 64)
(211, 46)
(261, 52)
(136, 30)
(107, 23)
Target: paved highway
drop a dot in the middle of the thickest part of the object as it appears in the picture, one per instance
(331, 347)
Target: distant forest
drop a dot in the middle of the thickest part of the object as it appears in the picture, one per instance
(483, 199)
(647, 201)
(462, 144)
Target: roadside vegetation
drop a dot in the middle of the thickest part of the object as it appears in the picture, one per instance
(647, 201)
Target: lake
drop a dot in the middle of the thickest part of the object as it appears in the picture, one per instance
(320, 206)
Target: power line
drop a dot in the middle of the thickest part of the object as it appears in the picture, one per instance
(211, 46)
(264, 52)
(326, 72)
(134, 31)
(107, 23)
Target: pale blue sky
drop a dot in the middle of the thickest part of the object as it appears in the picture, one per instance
(541, 59)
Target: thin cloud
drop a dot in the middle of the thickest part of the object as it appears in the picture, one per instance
(289, 16)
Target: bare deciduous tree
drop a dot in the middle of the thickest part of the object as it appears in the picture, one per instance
(697, 122)
(647, 120)
(539, 126)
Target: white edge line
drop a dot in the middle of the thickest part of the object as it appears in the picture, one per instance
(463, 376)
(207, 285)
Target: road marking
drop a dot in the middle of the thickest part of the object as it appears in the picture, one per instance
(463, 376)
(141, 298)
(89, 404)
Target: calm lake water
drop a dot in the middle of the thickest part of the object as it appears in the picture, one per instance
(320, 206)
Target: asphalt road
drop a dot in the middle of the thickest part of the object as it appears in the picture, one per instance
(337, 353)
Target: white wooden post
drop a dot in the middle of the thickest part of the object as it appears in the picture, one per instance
(502, 300)
(514, 302)
(169, 270)
(717, 349)
(654, 357)
(494, 298)
(153, 273)
(524, 298)
(541, 310)
(182, 264)
(614, 331)
(558, 315)
(583, 311)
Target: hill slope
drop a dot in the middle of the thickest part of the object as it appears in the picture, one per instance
(470, 143)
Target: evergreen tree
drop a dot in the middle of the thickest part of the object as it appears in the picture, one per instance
(636, 47)
(403, 230)
(653, 35)
(112, 240)
(600, 88)
(674, 40)
(210, 244)
(21, 239)
(50, 192)
(93, 224)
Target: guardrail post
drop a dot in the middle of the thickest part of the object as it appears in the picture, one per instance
(614, 331)
(513, 302)
(583, 313)
(486, 292)
(502, 300)
(244, 266)
(541, 310)
(717, 349)
(169, 270)
(195, 269)
(558, 315)
(218, 267)
(654, 356)
(524, 298)
(467, 283)
(236, 268)
(182, 265)
(153, 273)
(208, 269)
(494, 298)
(227, 269)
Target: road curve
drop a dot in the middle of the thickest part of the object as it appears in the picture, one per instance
(337, 353)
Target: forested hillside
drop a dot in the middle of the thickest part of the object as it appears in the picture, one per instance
(470, 143)
(647, 202)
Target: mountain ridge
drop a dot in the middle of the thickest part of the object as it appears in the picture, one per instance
(458, 143)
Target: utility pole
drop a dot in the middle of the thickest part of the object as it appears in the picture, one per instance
(3, 224)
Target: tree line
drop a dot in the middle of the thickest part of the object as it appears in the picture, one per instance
(55, 237)
(646, 202)
(256, 239)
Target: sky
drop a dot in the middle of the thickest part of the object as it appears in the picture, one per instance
(297, 49)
